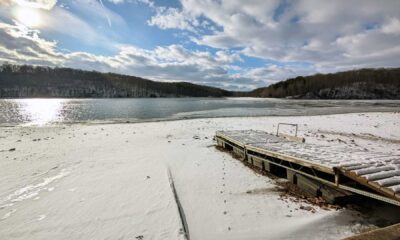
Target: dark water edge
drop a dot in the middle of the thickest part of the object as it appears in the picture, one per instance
(14, 112)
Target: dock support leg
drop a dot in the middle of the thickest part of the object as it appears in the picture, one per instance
(337, 178)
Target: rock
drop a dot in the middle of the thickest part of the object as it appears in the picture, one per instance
(307, 208)
(11, 149)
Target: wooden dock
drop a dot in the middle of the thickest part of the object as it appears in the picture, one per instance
(388, 233)
(372, 174)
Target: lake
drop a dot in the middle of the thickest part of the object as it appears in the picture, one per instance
(54, 111)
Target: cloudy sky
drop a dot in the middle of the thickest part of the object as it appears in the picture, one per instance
(232, 44)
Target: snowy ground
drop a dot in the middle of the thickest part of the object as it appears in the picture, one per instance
(111, 182)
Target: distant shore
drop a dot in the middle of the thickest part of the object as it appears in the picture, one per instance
(22, 81)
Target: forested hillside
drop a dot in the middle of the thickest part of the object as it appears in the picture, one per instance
(34, 81)
(356, 84)
(30, 81)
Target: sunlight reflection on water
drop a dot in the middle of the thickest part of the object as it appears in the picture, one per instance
(40, 111)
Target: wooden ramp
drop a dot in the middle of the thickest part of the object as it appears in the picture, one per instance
(388, 233)
(372, 174)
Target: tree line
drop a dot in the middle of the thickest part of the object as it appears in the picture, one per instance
(41, 81)
(362, 83)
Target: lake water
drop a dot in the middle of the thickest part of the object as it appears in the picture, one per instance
(53, 111)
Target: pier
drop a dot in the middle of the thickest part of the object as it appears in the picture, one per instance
(330, 171)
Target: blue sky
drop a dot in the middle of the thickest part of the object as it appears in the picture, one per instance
(237, 45)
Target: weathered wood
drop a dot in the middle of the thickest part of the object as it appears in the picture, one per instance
(357, 167)
(291, 176)
(337, 178)
(309, 186)
(375, 170)
(387, 233)
(220, 142)
(382, 175)
(267, 166)
(258, 163)
(239, 152)
(303, 162)
(395, 188)
(316, 188)
(384, 191)
(389, 181)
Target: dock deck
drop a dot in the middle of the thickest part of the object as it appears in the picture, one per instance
(372, 174)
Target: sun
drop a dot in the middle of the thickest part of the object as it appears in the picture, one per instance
(29, 17)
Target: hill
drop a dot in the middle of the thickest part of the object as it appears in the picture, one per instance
(356, 84)
(35, 81)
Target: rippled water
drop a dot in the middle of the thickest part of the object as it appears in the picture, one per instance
(50, 111)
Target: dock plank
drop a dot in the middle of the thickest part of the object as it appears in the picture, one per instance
(376, 170)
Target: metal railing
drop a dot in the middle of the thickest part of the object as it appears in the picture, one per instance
(289, 124)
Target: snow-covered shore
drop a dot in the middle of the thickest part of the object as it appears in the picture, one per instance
(110, 181)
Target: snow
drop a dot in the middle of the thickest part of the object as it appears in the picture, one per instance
(358, 160)
(110, 181)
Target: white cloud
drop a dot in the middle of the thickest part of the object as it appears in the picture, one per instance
(272, 73)
(60, 17)
(21, 45)
(116, 1)
(85, 20)
(167, 18)
(44, 4)
(227, 57)
(393, 27)
(323, 33)
(97, 13)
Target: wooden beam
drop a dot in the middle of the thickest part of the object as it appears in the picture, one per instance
(387, 233)
(300, 161)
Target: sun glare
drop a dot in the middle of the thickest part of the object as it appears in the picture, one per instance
(29, 17)
(41, 111)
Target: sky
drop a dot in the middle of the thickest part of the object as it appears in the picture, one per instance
(231, 44)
